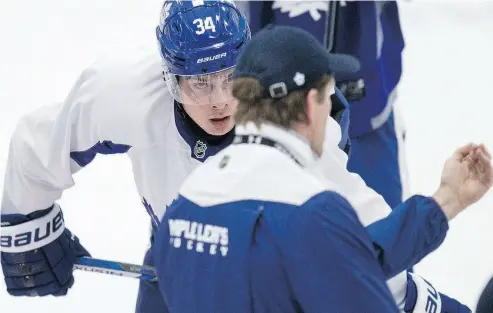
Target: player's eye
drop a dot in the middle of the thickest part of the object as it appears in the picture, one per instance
(228, 81)
(200, 83)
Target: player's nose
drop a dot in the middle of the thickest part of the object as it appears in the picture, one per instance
(219, 105)
(221, 99)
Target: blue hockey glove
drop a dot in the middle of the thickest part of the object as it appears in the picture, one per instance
(422, 297)
(485, 302)
(38, 253)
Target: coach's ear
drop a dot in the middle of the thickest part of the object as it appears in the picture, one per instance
(311, 104)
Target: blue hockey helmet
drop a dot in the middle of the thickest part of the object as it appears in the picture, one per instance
(200, 41)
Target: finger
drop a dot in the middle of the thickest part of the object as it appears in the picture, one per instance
(39, 291)
(471, 157)
(24, 269)
(484, 169)
(29, 281)
(470, 160)
(479, 161)
(485, 150)
(464, 151)
(484, 161)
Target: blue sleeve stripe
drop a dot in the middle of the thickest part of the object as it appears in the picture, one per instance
(103, 147)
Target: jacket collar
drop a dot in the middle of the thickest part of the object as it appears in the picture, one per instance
(297, 145)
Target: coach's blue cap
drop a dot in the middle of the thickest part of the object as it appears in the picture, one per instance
(285, 59)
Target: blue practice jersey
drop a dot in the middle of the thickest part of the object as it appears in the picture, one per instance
(367, 30)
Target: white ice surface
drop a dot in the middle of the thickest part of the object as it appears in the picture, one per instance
(445, 96)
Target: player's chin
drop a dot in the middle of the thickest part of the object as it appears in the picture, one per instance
(220, 126)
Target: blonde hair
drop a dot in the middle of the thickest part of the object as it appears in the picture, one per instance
(286, 111)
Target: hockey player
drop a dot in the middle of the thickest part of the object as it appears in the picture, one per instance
(166, 125)
(257, 228)
(370, 31)
(123, 105)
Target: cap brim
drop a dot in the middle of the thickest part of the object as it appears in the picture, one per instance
(342, 64)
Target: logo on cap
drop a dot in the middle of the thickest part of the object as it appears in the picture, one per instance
(299, 79)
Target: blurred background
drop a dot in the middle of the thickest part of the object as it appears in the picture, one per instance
(444, 97)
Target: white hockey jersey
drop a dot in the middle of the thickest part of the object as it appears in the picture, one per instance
(119, 105)
(122, 105)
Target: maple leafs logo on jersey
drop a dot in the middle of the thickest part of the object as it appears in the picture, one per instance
(297, 8)
(299, 79)
(148, 206)
(199, 149)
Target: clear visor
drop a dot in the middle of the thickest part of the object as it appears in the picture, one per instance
(211, 89)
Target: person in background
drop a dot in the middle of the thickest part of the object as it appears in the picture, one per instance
(370, 31)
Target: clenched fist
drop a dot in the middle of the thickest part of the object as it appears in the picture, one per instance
(467, 176)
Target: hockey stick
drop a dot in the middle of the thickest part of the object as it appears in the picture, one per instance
(141, 272)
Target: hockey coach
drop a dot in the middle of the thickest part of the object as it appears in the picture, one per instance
(254, 230)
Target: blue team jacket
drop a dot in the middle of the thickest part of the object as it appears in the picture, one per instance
(252, 232)
(367, 30)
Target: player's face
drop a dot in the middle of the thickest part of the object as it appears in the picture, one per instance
(208, 101)
(318, 112)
